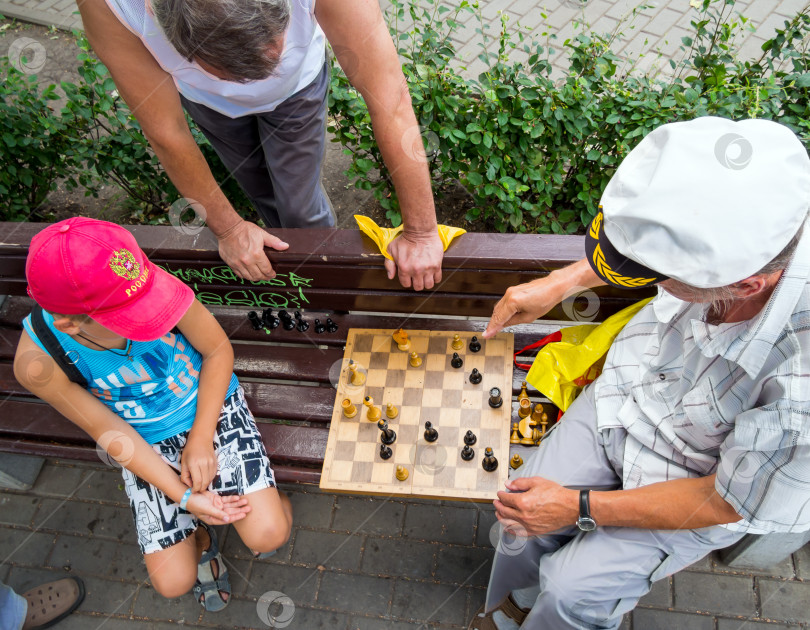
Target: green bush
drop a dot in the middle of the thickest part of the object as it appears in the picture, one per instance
(536, 152)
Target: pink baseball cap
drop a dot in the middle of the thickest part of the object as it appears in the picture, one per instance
(84, 266)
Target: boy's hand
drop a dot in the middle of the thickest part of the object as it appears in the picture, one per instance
(214, 509)
(198, 463)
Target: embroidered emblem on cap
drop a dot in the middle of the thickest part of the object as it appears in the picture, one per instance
(123, 264)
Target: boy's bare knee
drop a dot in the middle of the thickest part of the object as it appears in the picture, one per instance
(268, 537)
(172, 584)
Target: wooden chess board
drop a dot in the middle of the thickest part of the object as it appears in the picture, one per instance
(434, 391)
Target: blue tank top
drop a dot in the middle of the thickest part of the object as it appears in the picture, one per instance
(155, 391)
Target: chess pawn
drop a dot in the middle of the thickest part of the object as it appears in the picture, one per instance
(269, 320)
(387, 436)
(475, 345)
(349, 410)
(489, 463)
(391, 411)
(373, 414)
(516, 461)
(457, 344)
(255, 320)
(523, 395)
(331, 327)
(467, 453)
(536, 434)
(537, 413)
(356, 377)
(319, 327)
(385, 451)
(543, 425)
(475, 376)
(416, 360)
(470, 438)
(515, 437)
(525, 409)
(456, 361)
(402, 473)
(431, 434)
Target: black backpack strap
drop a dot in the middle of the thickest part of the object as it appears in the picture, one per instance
(55, 348)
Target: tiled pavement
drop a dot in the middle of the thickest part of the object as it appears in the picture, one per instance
(353, 563)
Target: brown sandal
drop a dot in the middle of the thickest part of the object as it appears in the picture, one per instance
(49, 603)
(484, 621)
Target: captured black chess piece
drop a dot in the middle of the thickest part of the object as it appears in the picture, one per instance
(286, 320)
(431, 434)
(387, 436)
(495, 400)
(301, 324)
(467, 453)
(319, 327)
(255, 320)
(475, 376)
(331, 326)
(456, 361)
(269, 320)
(385, 451)
(489, 463)
(469, 438)
(475, 345)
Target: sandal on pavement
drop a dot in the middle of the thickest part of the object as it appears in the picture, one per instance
(208, 589)
(49, 603)
(484, 621)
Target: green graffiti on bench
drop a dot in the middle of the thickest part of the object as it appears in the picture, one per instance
(222, 274)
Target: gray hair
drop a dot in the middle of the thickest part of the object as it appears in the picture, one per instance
(720, 298)
(231, 35)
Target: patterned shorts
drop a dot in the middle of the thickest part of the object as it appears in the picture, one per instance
(243, 467)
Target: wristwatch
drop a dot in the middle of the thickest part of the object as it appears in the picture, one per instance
(585, 521)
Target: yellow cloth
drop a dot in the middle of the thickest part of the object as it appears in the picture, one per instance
(561, 369)
(383, 236)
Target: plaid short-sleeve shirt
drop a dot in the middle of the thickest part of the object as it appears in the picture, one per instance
(734, 399)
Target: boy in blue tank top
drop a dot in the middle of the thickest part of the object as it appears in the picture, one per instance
(144, 370)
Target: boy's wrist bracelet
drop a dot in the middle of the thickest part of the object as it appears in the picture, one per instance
(184, 500)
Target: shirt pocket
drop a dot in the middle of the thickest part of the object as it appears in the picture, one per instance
(700, 423)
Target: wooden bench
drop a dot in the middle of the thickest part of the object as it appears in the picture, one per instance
(286, 375)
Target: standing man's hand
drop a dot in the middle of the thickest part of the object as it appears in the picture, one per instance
(242, 249)
(417, 260)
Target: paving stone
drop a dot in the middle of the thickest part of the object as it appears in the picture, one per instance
(442, 524)
(297, 583)
(4, 571)
(110, 597)
(104, 486)
(239, 572)
(309, 619)
(486, 521)
(649, 619)
(17, 509)
(149, 603)
(77, 517)
(368, 516)
(367, 623)
(422, 601)
(783, 569)
(240, 613)
(333, 551)
(233, 547)
(660, 594)
(311, 509)
(724, 594)
(356, 592)
(469, 566)
(736, 624)
(475, 599)
(101, 557)
(801, 560)
(784, 600)
(398, 558)
(21, 546)
(79, 621)
(704, 564)
(61, 481)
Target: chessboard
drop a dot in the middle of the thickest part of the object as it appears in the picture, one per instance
(434, 391)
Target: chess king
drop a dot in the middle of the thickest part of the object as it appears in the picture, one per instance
(696, 431)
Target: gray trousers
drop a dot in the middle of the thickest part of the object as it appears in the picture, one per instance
(589, 580)
(276, 156)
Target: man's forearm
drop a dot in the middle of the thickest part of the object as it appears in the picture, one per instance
(676, 504)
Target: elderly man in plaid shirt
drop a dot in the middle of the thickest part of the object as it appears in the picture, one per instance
(698, 429)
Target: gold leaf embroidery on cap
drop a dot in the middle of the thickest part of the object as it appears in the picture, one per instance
(123, 264)
(595, 225)
(606, 272)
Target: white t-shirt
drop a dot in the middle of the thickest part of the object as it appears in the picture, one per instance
(301, 61)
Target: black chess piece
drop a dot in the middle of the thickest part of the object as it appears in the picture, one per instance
(475, 345)
(495, 400)
(286, 320)
(387, 436)
(331, 326)
(456, 361)
(255, 320)
(489, 463)
(475, 376)
(319, 327)
(469, 438)
(301, 324)
(385, 451)
(467, 453)
(269, 320)
(431, 434)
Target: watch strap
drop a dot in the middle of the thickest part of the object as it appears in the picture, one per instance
(584, 504)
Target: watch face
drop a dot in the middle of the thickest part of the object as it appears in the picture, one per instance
(586, 523)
